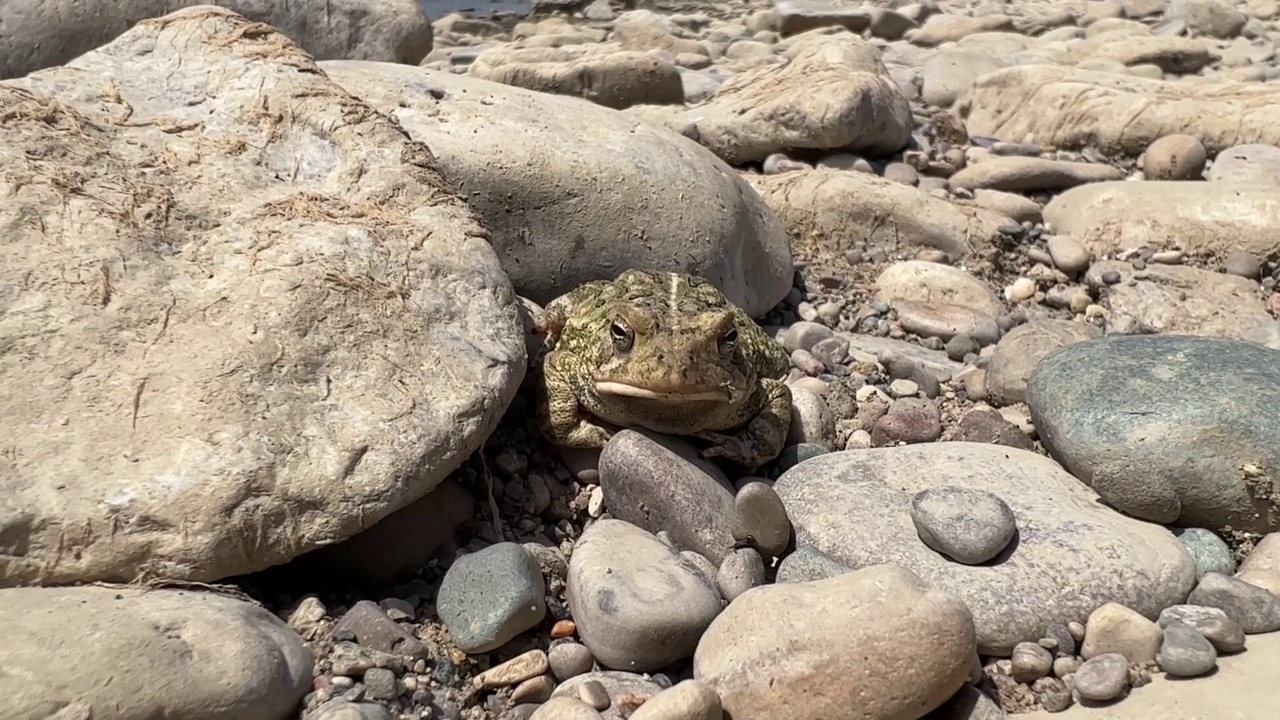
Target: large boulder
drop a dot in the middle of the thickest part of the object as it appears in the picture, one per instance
(36, 34)
(576, 192)
(245, 315)
(1074, 108)
(190, 655)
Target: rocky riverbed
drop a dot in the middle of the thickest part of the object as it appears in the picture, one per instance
(266, 361)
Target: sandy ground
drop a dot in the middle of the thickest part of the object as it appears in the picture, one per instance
(1244, 687)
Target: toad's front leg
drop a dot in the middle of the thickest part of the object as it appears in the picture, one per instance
(763, 437)
(560, 417)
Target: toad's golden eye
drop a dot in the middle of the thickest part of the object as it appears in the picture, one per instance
(623, 337)
(729, 341)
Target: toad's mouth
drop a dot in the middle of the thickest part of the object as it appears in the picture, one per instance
(606, 387)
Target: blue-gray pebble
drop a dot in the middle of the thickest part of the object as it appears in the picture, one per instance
(1211, 553)
(490, 596)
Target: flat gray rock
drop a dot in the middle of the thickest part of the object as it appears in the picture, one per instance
(490, 596)
(1071, 555)
(1167, 428)
(969, 526)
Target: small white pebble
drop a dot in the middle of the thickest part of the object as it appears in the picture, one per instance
(903, 388)
(1021, 289)
(595, 503)
(342, 681)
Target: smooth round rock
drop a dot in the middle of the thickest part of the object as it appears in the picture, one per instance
(117, 652)
(639, 604)
(1030, 662)
(490, 596)
(1072, 551)
(569, 659)
(1174, 157)
(814, 642)
(759, 518)
(1103, 678)
(1114, 628)
(1185, 652)
(968, 526)
(1257, 610)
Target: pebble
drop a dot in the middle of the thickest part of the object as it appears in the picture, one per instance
(1184, 652)
(569, 659)
(969, 526)
(741, 570)
(1069, 254)
(380, 684)
(490, 596)
(1021, 289)
(760, 519)
(1174, 157)
(533, 690)
(514, 671)
(1030, 662)
(808, 563)
(565, 708)
(1103, 678)
(686, 700)
(1116, 629)
(1255, 609)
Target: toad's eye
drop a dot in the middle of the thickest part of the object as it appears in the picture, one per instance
(622, 336)
(729, 341)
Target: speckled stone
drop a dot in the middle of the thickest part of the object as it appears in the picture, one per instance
(489, 596)
(1131, 414)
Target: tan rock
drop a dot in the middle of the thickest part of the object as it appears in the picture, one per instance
(611, 79)
(876, 639)
(1177, 299)
(645, 30)
(1019, 208)
(835, 93)
(1265, 554)
(1028, 173)
(221, 388)
(935, 283)
(1018, 352)
(1072, 108)
(565, 708)
(686, 700)
(1114, 628)
(939, 29)
(233, 660)
(1266, 578)
(1174, 157)
(830, 211)
(1178, 55)
(1189, 216)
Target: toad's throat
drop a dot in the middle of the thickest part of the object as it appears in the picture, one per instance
(605, 387)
